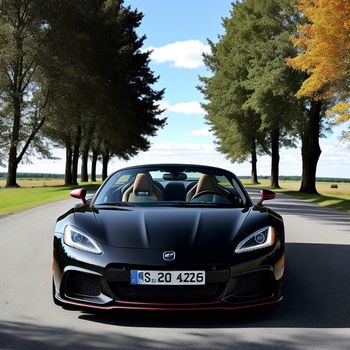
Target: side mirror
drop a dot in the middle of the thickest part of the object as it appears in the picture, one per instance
(79, 193)
(266, 195)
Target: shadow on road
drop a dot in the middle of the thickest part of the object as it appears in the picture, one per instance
(22, 336)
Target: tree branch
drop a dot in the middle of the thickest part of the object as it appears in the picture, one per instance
(35, 129)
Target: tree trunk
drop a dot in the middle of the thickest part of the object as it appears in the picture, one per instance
(76, 153)
(11, 180)
(275, 158)
(93, 165)
(105, 160)
(68, 171)
(254, 173)
(310, 149)
(16, 101)
(84, 176)
(88, 135)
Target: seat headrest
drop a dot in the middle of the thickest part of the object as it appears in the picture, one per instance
(206, 182)
(143, 184)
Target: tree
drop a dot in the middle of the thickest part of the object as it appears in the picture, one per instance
(324, 42)
(266, 28)
(237, 130)
(252, 79)
(324, 53)
(104, 86)
(25, 93)
(69, 45)
(132, 114)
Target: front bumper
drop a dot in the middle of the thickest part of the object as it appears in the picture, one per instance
(85, 289)
(82, 281)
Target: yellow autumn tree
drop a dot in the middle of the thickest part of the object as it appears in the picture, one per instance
(325, 52)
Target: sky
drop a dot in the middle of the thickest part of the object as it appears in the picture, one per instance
(177, 32)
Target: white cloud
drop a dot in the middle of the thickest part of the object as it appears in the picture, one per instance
(175, 152)
(334, 160)
(192, 107)
(181, 54)
(200, 132)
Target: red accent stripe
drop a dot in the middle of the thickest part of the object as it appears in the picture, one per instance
(217, 307)
(167, 304)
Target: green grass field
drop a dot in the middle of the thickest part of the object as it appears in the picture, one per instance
(337, 198)
(35, 192)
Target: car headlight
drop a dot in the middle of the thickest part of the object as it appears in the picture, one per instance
(262, 238)
(75, 238)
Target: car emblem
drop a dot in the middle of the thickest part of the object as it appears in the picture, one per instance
(169, 256)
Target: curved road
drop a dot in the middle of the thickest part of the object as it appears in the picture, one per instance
(315, 313)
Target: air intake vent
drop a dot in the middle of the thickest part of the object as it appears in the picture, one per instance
(79, 284)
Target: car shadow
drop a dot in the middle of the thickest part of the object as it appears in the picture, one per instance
(316, 295)
(28, 336)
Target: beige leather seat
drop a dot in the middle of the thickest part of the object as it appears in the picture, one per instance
(142, 190)
(205, 183)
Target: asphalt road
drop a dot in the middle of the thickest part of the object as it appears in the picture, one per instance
(315, 313)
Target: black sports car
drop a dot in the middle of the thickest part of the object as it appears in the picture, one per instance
(168, 236)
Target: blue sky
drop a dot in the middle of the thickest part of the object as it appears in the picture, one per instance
(167, 22)
(177, 32)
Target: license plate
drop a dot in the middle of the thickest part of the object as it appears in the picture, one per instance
(170, 278)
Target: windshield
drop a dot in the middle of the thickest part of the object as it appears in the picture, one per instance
(172, 186)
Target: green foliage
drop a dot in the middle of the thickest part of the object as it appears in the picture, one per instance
(75, 68)
(134, 117)
(104, 85)
(251, 91)
(24, 92)
(236, 128)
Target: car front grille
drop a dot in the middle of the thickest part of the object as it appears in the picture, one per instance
(118, 279)
(167, 294)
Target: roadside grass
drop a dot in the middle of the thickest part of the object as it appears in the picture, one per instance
(36, 192)
(337, 198)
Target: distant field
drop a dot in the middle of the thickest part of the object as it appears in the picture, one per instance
(338, 198)
(36, 182)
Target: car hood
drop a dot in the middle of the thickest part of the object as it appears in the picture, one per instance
(167, 228)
